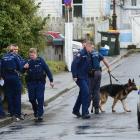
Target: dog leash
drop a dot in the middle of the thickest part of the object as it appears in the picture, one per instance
(112, 76)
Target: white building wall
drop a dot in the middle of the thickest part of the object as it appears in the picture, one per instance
(102, 26)
(135, 29)
(50, 7)
(91, 8)
(92, 11)
(125, 13)
(96, 8)
(128, 3)
(125, 22)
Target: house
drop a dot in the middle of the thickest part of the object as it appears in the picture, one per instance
(85, 14)
(81, 8)
(126, 11)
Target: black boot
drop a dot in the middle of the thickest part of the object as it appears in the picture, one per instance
(96, 110)
(87, 116)
(76, 114)
(40, 119)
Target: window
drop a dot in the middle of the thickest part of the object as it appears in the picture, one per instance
(77, 1)
(77, 11)
(122, 2)
(63, 10)
(134, 2)
(77, 8)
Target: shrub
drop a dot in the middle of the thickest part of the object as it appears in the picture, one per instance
(57, 66)
(21, 25)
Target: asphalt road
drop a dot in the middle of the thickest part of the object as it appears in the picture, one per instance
(60, 124)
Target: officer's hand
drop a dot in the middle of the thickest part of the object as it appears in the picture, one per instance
(75, 79)
(52, 84)
(26, 66)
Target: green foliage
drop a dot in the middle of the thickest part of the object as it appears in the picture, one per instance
(56, 66)
(19, 24)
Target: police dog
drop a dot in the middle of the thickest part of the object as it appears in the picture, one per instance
(117, 92)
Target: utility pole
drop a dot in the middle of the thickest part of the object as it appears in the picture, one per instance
(114, 16)
(68, 33)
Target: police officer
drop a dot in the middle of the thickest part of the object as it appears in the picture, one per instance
(2, 113)
(36, 79)
(80, 68)
(11, 67)
(95, 76)
(15, 49)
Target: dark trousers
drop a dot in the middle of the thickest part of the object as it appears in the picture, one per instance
(94, 86)
(2, 113)
(83, 97)
(13, 89)
(36, 97)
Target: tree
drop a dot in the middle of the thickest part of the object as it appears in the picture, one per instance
(20, 24)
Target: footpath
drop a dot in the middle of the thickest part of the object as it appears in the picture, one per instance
(63, 83)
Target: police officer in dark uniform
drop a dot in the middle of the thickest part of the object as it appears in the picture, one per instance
(11, 67)
(36, 78)
(80, 68)
(95, 76)
(16, 51)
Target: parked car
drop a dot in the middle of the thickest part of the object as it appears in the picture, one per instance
(76, 47)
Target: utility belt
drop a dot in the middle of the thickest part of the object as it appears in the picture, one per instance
(91, 72)
(11, 71)
(35, 79)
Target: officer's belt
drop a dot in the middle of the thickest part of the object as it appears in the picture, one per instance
(92, 71)
(11, 71)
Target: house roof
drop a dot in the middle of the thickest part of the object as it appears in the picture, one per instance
(56, 38)
(54, 34)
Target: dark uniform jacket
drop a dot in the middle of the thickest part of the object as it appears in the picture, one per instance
(96, 58)
(80, 65)
(38, 69)
(10, 65)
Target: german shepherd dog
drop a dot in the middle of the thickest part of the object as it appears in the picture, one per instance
(117, 92)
